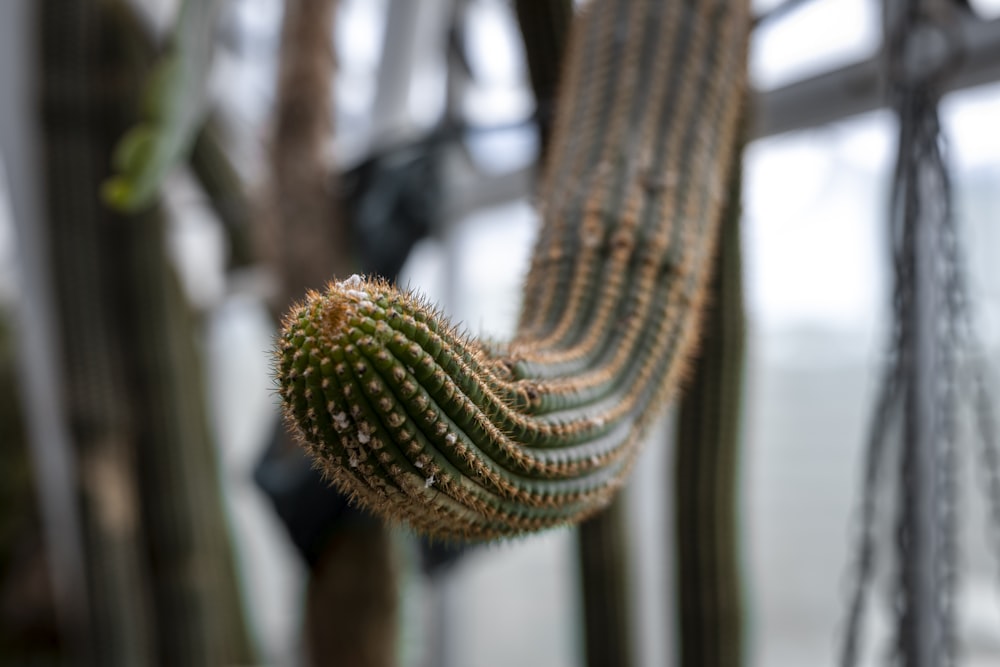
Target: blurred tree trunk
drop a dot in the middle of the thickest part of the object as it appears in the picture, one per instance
(351, 606)
(307, 240)
(161, 572)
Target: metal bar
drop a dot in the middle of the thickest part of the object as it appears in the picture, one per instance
(410, 29)
(825, 98)
(471, 190)
(390, 111)
(858, 88)
(786, 7)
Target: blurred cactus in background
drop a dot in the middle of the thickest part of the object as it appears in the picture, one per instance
(161, 578)
(705, 466)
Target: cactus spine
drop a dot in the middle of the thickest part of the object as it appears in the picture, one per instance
(463, 439)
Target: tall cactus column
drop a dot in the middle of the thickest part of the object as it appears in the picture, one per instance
(705, 465)
(161, 575)
(464, 439)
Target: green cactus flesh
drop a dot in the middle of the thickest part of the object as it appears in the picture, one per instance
(463, 439)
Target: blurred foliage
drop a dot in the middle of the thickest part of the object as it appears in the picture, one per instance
(174, 107)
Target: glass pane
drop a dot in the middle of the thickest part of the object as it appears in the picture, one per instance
(818, 36)
(816, 291)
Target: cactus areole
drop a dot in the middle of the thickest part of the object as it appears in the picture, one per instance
(462, 439)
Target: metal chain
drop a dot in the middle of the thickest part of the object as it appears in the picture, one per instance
(989, 456)
(864, 567)
(926, 529)
(919, 379)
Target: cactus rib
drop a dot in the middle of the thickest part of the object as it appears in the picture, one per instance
(462, 439)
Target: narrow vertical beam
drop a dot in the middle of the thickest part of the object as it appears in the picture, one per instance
(602, 545)
(52, 457)
(706, 465)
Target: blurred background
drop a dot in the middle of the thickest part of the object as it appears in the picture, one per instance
(155, 392)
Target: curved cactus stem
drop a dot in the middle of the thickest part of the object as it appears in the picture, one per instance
(464, 439)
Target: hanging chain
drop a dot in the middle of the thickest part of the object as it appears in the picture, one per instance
(989, 455)
(864, 567)
(919, 381)
(923, 224)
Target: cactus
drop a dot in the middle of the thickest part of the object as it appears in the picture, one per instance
(161, 585)
(461, 438)
(603, 548)
(602, 540)
(705, 465)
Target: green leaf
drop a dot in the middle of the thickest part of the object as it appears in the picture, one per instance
(173, 110)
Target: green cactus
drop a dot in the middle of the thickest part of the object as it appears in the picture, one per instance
(464, 439)
(705, 468)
